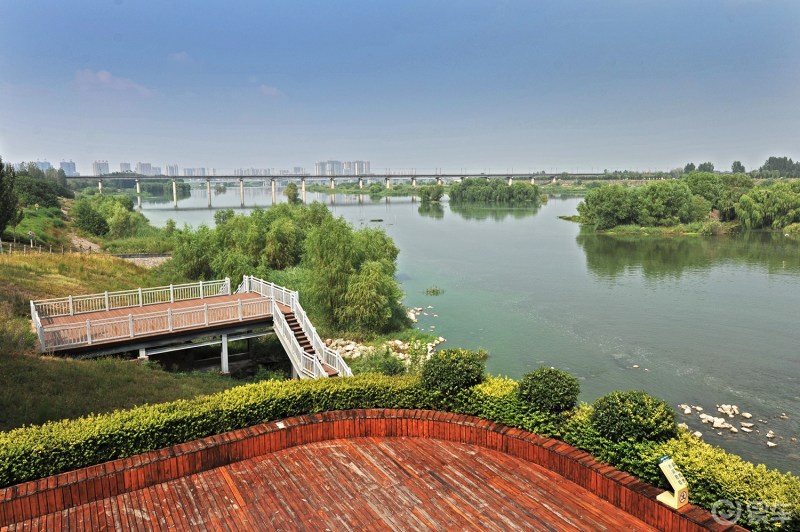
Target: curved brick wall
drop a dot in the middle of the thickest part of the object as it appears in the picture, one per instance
(73, 488)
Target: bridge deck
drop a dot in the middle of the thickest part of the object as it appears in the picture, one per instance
(151, 321)
(361, 483)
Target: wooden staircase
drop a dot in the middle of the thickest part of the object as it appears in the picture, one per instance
(305, 343)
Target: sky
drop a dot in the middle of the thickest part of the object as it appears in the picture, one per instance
(456, 85)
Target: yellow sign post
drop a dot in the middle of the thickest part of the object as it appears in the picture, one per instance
(681, 496)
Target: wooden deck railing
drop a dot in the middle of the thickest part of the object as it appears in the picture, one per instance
(72, 305)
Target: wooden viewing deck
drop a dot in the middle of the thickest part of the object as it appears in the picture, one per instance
(358, 484)
(116, 322)
(353, 470)
(159, 319)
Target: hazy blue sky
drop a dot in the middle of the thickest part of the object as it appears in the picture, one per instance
(562, 84)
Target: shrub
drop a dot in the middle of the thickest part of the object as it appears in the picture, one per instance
(549, 390)
(378, 362)
(33, 452)
(451, 370)
(633, 416)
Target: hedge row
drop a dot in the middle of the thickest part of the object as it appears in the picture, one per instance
(713, 474)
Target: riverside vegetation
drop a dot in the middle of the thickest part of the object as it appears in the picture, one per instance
(630, 430)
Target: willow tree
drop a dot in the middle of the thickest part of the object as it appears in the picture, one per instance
(8, 196)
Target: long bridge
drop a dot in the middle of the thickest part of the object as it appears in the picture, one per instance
(387, 178)
(169, 318)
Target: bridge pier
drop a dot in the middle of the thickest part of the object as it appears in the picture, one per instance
(439, 180)
(274, 191)
(241, 192)
(333, 184)
(224, 364)
(143, 354)
(533, 180)
(303, 188)
(138, 194)
(413, 182)
(509, 180)
(387, 182)
(138, 187)
(208, 192)
(360, 183)
(100, 186)
(174, 193)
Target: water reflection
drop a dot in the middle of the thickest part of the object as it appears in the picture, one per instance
(431, 210)
(497, 214)
(610, 256)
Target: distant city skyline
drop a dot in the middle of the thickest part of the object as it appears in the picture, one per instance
(467, 85)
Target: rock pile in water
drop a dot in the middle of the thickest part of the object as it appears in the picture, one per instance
(724, 422)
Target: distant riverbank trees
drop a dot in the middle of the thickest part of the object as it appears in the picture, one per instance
(494, 191)
(731, 197)
(345, 276)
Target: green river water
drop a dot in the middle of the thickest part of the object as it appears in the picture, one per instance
(697, 320)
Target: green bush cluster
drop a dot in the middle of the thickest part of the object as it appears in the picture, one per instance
(549, 390)
(478, 190)
(633, 416)
(450, 370)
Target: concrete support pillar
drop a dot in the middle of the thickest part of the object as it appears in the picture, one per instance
(533, 180)
(100, 186)
(139, 202)
(333, 184)
(509, 181)
(460, 179)
(241, 192)
(303, 189)
(413, 182)
(208, 192)
(143, 354)
(273, 185)
(138, 187)
(360, 183)
(224, 366)
(174, 193)
(387, 182)
(439, 180)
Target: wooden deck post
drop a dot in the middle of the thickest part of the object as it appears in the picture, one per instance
(240, 310)
(71, 313)
(169, 319)
(201, 289)
(205, 312)
(130, 324)
(89, 331)
(107, 307)
(225, 353)
(171, 293)
(140, 297)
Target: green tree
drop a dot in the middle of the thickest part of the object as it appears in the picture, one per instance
(706, 184)
(664, 203)
(8, 195)
(737, 167)
(690, 167)
(194, 253)
(330, 257)
(368, 301)
(284, 244)
(291, 193)
(608, 206)
(88, 219)
(429, 193)
(706, 167)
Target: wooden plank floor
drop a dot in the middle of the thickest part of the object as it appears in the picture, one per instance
(357, 484)
(148, 309)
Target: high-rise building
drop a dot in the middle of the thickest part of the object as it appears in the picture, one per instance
(172, 170)
(341, 168)
(155, 170)
(144, 168)
(100, 168)
(125, 167)
(43, 165)
(69, 169)
(195, 172)
(361, 167)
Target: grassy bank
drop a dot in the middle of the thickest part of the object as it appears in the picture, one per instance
(36, 389)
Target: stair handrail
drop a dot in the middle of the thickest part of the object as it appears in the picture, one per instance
(304, 363)
(291, 299)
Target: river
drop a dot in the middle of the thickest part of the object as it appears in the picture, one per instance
(697, 320)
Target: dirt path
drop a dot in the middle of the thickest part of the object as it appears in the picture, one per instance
(82, 243)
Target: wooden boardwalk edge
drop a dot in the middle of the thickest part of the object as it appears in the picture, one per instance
(52, 494)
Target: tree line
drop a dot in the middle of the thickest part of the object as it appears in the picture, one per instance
(494, 191)
(345, 276)
(693, 198)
